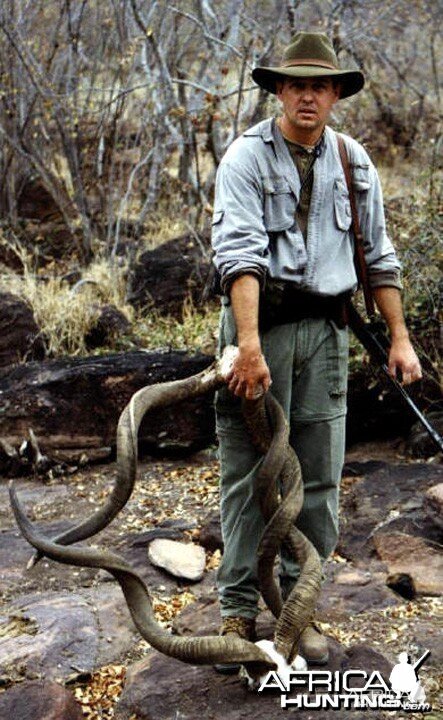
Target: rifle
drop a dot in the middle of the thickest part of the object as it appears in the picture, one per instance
(376, 343)
(371, 334)
(421, 660)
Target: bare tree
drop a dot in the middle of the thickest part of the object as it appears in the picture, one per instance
(116, 107)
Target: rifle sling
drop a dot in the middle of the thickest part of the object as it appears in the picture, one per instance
(359, 254)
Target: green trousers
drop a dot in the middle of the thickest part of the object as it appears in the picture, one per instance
(308, 361)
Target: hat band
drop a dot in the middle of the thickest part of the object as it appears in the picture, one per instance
(308, 61)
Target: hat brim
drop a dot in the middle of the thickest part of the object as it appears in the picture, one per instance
(351, 81)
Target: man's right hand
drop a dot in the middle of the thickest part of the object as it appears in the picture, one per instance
(250, 375)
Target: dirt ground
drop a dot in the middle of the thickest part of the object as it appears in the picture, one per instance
(182, 495)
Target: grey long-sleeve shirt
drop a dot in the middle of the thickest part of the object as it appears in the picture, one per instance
(255, 225)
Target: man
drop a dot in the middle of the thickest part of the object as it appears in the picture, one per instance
(281, 233)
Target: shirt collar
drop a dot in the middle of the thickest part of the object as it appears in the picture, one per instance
(316, 150)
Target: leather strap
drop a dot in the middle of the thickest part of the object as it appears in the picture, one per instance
(359, 254)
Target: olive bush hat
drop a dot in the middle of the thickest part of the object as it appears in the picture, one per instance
(310, 55)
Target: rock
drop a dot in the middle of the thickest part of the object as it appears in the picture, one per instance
(419, 443)
(15, 552)
(402, 584)
(36, 203)
(426, 636)
(20, 337)
(160, 688)
(57, 634)
(201, 618)
(134, 548)
(168, 528)
(362, 657)
(184, 560)
(411, 556)
(210, 534)
(39, 701)
(385, 496)
(353, 577)
(433, 505)
(162, 281)
(356, 468)
(109, 324)
(49, 635)
(338, 600)
(116, 632)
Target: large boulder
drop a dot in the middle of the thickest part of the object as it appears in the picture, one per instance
(386, 498)
(166, 276)
(39, 701)
(414, 558)
(20, 336)
(48, 635)
(108, 325)
(36, 203)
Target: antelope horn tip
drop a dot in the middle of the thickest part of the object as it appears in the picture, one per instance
(226, 361)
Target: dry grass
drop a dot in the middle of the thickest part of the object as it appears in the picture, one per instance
(163, 226)
(198, 329)
(66, 314)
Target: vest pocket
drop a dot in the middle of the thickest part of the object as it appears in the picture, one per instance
(342, 206)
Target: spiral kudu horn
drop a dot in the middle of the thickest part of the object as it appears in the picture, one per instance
(280, 471)
(200, 650)
(144, 401)
(280, 468)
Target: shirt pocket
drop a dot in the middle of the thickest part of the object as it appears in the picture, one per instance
(279, 210)
(360, 178)
(342, 205)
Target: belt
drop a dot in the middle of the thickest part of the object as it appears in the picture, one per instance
(281, 303)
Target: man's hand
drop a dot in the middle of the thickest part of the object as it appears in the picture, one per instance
(403, 358)
(250, 374)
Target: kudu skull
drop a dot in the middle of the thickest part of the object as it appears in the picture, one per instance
(279, 475)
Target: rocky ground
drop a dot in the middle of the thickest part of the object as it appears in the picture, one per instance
(69, 650)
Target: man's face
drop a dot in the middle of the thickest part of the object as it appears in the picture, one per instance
(307, 102)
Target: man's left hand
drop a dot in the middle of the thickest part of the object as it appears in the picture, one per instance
(403, 359)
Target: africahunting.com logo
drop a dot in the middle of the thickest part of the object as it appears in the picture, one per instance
(352, 689)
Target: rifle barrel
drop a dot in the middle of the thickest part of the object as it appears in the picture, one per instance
(421, 660)
(426, 424)
(378, 355)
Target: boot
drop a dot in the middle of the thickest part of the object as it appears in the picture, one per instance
(244, 628)
(313, 645)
